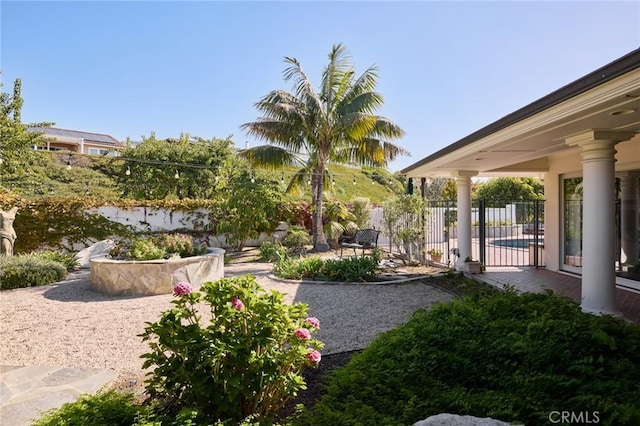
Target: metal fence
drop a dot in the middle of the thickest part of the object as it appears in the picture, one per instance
(504, 232)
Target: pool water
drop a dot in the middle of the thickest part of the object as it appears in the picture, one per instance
(516, 243)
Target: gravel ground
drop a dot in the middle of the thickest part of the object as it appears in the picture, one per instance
(68, 324)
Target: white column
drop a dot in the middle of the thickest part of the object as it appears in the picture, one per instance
(629, 209)
(598, 223)
(463, 187)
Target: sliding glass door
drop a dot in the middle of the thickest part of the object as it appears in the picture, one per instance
(572, 224)
(627, 226)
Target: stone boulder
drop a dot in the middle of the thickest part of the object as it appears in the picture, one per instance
(99, 249)
(456, 420)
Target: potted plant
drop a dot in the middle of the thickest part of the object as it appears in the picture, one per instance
(473, 266)
(436, 255)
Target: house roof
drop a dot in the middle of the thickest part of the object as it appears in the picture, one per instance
(529, 134)
(54, 132)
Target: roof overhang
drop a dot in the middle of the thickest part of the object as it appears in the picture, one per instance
(520, 143)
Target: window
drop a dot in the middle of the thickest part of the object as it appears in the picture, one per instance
(101, 151)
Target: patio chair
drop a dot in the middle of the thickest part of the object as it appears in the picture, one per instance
(364, 239)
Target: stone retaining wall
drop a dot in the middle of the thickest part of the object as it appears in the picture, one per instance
(153, 277)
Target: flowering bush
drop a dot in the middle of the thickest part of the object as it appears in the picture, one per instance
(302, 334)
(237, 304)
(246, 361)
(312, 322)
(182, 288)
(313, 356)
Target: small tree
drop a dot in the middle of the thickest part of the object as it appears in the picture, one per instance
(249, 207)
(403, 223)
(15, 142)
(362, 211)
(338, 221)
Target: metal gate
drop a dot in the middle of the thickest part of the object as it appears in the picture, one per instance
(504, 232)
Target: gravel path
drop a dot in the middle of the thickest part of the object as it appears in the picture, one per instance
(68, 324)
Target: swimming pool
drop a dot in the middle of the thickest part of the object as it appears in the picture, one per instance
(516, 242)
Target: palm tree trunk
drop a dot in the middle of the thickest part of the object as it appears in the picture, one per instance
(319, 239)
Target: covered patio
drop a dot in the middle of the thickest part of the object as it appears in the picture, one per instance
(582, 141)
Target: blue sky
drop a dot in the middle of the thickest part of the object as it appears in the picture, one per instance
(446, 68)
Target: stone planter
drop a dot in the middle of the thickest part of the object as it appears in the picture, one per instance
(153, 277)
(473, 267)
(436, 258)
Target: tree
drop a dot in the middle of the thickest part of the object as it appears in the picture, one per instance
(339, 220)
(440, 188)
(498, 191)
(402, 220)
(15, 142)
(335, 125)
(250, 205)
(183, 168)
(361, 207)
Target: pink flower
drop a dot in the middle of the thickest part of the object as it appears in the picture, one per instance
(237, 303)
(303, 334)
(182, 288)
(313, 322)
(314, 356)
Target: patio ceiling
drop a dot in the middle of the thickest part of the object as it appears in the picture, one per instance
(521, 142)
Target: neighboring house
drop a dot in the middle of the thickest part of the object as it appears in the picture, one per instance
(77, 141)
(583, 141)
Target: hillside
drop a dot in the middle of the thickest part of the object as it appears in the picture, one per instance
(375, 184)
(93, 176)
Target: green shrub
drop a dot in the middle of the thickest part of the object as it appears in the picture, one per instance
(310, 267)
(152, 247)
(510, 357)
(68, 260)
(350, 269)
(145, 249)
(287, 268)
(272, 251)
(354, 269)
(246, 361)
(180, 244)
(29, 271)
(104, 409)
(295, 240)
(299, 269)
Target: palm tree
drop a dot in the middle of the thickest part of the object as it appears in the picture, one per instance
(336, 125)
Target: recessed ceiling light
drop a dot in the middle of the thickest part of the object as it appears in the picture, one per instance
(622, 112)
